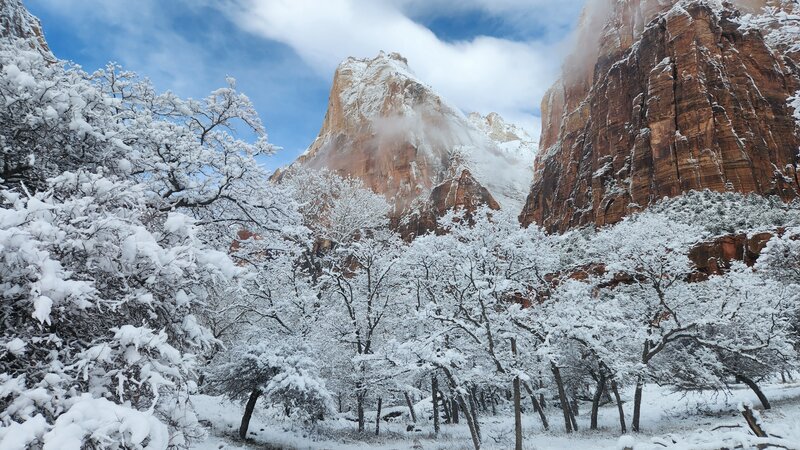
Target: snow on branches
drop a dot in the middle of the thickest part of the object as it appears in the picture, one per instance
(117, 210)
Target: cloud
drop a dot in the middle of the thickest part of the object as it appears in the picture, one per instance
(284, 52)
(482, 74)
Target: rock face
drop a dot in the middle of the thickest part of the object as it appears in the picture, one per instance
(17, 22)
(713, 258)
(463, 192)
(404, 141)
(678, 95)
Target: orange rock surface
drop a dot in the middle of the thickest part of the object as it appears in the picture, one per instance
(675, 96)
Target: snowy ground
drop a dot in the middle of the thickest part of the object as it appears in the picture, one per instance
(688, 419)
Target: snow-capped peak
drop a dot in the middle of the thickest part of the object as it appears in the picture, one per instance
(388, 128)
(498, 129)
(509, 137)
(364, 85)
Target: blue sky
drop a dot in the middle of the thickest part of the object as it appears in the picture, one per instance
(482, 55)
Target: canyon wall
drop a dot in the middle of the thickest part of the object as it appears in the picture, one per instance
(666, 97)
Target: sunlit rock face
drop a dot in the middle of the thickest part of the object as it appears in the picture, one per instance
(462, 193)
(664, 97)
(386, 127)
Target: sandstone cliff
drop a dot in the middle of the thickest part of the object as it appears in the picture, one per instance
(17, 22)
(675, 95)
(387, 128)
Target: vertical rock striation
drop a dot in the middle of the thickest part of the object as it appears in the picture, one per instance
(676, 96)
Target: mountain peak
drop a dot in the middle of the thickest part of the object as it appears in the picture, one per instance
(496, 127)
(403, 140)
(382, 57)
(379, 87)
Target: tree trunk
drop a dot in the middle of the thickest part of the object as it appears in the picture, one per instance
(623, 428)
(598, 395)
(483, 401)
(471, 422)
(378, 417)
(248, 413)
(542, 401)
(753, 422)
(537, 407)
(454, 410)
(446, 408)
(435, 401)
(360, 412)
(572, 416)
(517, 415)
(562, 397)
(637, 396)
(410, 408)
(637, 403)
(573, 406)
(517, 404)
(473, 395)
(757, 390)
(473, 409)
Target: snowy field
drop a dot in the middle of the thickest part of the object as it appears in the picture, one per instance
(670, 420)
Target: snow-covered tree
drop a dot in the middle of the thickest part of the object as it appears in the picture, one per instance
(118, 209)
(363, 295)
(101, 298)
(336, 208)
(720, 213)
(646, 260)
(750, 332)
(780, 259)
(582, 329)
(282, 374)
(469, 283)
(53, 119)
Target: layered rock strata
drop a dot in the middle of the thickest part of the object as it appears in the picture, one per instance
(676, 96)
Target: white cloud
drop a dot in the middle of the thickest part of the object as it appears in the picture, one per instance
(483, 74)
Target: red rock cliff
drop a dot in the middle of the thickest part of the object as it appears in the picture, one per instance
(387, 128)
(675, 96)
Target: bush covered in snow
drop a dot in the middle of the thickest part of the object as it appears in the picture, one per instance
(116, 213)
(729, 212)
(282, 374)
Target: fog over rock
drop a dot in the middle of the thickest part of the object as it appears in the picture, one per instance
(392, 131)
